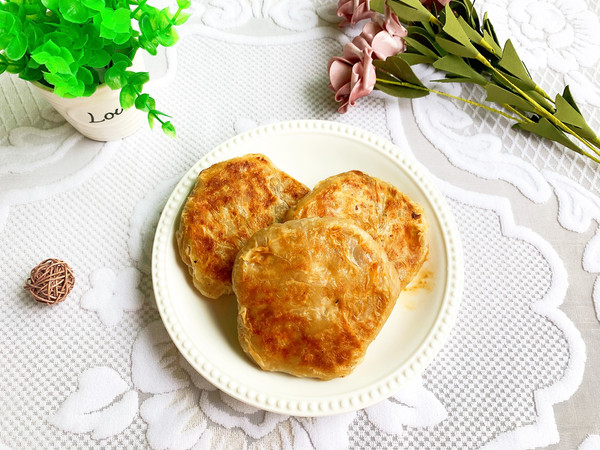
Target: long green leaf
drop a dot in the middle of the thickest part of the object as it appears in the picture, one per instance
(569, 115)
(421, 48)
(457, 48)
(399, 68)
(410, 10)
(416, 58)
(502, 96)
(377, 6)
(400, 91)
(546, 130)
(491, 41)
(453, 29)
(458, 66)
(511, 62)
(568, 96)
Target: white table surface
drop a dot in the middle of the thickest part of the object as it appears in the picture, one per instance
(521, 366)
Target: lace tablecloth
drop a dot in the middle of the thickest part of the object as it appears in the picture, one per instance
(521, 366)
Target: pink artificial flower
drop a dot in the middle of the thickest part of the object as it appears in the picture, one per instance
(384, 35)
(352, 76)
(353, 11)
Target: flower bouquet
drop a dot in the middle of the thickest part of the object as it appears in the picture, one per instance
(449, 35)
(73, 49)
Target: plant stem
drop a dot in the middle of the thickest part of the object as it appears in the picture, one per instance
(518, 113)
(444, 94)
(539, 109)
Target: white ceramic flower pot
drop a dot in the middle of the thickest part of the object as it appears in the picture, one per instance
(99, 116)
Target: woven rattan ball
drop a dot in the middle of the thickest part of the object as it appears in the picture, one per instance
(50, 281)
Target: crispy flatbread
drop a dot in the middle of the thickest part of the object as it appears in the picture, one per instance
(230, 202)
(312, 295)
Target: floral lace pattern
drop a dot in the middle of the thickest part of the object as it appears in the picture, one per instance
(113, 377)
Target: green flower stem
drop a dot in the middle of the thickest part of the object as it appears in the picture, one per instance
(518, 113)
(539, 109)
(435, 21)
(444, 94)
(151, 112)
(539, 90)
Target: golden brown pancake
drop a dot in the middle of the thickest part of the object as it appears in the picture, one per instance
(312, 295)
(393, 219)
(230, 202)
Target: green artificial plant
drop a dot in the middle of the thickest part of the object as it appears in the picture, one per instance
(455, 41)
(74, 46)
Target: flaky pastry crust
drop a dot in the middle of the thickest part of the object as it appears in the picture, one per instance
(392, 218)
(312, 295)
(230, 202)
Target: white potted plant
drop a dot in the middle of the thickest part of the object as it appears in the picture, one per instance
(84, 57)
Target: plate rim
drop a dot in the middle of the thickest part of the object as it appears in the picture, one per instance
(358, 399)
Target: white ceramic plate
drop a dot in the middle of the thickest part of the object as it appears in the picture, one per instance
(205, 330)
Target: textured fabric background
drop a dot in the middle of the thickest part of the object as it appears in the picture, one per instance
(100, 371)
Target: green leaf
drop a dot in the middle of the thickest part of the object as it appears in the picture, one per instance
(148, 45)
(400, 91)
(141, 102)
(121, 38)
(421, 48)
(115, 77)
(410, 11)
(167, 38)
(65, 85)
(457, 66)
(169, 129)
(416, 58)
(185, 4)
(569, 98)
(453, 29)
(545, 129)
(89, 89)
(399, 68)
(457, 48)
(85, 76)
(95, 5)
(511, 62)
(489, 29)
(17, 47)
(97, 58)
(7, 22)
(491, 41)
(566, 113)
(151, 118)
(164, 19)
(127, 96)
(182, 18)
(74, 11)
(122, 20)
(147, 27)
(52, 5)
(56, 59)
(526, 85)
(30, 74)
(453, 79)
(472, 34)
(541, 100)
(377, 6)
(122, 59)
(464, 10)
(502, 96)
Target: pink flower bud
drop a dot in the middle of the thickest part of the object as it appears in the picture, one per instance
(353, 11)
(384, 36)
(352, 76)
